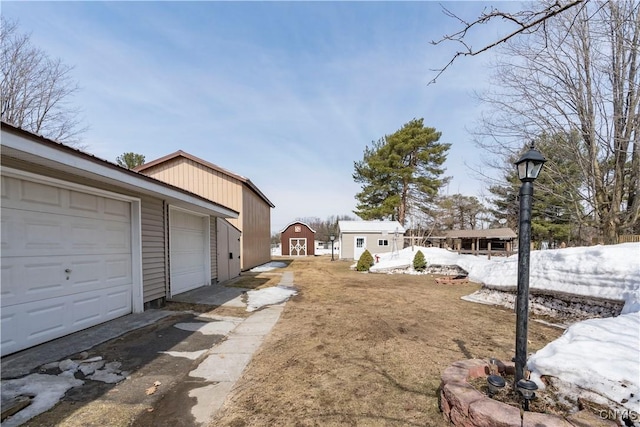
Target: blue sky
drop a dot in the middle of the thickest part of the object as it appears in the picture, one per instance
(287, 94)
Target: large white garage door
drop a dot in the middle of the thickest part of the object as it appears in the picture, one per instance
(66, 261)
(188, 251)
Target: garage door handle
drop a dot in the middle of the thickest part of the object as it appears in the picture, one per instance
(68, 270)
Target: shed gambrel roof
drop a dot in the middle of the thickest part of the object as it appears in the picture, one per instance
(491, 233)
(370, 226)
(210, 165)
(297, 222)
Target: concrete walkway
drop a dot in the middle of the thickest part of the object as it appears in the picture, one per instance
(226, 362)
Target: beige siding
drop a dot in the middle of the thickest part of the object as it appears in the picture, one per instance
(256, 239)
(254, 219)
(347, 243)
(203, 181)
(154, 277)
(213, 232)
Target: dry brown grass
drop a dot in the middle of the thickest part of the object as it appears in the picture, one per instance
(366, 350)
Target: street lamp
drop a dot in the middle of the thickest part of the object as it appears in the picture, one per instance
(529, 167)
(332, 238)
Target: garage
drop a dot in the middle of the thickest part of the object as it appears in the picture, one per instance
(66, 260)
(190, 262)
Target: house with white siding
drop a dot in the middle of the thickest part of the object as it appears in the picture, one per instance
(85, 241)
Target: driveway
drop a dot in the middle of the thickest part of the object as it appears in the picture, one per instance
(179, 364)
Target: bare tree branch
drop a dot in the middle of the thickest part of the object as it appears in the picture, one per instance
(526, 21)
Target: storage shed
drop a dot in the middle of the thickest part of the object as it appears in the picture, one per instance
(227, 188)
(85, 241)
(297, 239)
(376, 236)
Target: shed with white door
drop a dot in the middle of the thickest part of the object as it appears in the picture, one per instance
(376, 236)
(298, 239)
(85, 241)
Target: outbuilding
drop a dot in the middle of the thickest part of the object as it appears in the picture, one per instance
(229, 189)
(297, 239)
(85, 241)
(376, 236)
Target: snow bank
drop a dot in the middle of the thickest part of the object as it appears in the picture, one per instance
(598, 355)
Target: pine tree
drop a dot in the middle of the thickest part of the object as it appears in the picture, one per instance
(400, 171)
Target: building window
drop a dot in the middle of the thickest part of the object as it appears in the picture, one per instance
(359, 242)
(383, 242)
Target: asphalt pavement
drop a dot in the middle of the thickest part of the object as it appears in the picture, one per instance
(179, 365)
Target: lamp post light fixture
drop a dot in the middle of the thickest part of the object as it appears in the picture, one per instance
(495, 383)
(529, 166)
(527, 389)
(332, 238)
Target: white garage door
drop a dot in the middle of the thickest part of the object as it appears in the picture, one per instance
(66, 262)
(188, 251)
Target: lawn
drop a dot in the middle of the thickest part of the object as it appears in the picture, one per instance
(366, 349)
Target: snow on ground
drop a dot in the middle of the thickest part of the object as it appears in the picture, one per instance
(268, 266)
(601, 356)
(268, 296)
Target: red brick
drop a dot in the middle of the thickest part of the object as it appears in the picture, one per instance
(454, 374)
(461, 396)
(491, 413)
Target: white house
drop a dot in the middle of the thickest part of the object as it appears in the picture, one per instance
(376, 236)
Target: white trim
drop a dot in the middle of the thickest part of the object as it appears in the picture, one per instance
(75, 161)
(42, 179)
(305, 247)
(137, 291)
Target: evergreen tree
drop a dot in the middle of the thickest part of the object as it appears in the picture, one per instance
(130, 160)
(419, 263)
(399, 172)
(556, 210)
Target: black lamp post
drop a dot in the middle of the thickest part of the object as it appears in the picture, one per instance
(332, 238)
(529, 167)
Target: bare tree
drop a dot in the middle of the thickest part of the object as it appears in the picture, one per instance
(525, 21)
(577, 76)
(36, 89)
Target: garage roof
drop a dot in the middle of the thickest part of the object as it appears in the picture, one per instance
(22, 145)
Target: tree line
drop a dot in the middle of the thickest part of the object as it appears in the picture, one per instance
(566, 78)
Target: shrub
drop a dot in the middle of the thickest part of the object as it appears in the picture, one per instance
(419, 263)
(365, 261)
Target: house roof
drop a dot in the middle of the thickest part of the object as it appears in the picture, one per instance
(370, 227)
(25, 146)
(297, 222)
(210, 165)
(491, 233)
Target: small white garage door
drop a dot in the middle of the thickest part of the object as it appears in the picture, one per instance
(188, 251)
(66, 261)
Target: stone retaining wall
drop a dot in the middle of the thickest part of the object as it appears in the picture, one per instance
(463, 405)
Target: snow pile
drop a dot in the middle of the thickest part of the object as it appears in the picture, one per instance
(268, 296)
(268, 266)
(596, 354)
(46, 389)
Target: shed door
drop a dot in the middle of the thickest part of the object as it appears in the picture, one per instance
(66, 261)
(188, 251)
(359, 246)
(298, 246)
(228, 251)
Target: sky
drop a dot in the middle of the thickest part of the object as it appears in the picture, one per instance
(598, 355)
(287, 94)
